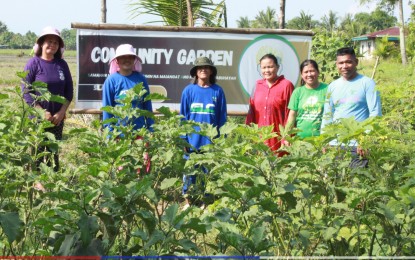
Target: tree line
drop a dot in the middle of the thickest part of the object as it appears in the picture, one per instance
(13, 40)
(214, 15)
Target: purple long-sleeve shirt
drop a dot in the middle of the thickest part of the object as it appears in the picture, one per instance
(55, 74)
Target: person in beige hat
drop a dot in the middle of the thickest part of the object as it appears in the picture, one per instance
(125, 73)
(203, 101)
(48, 66)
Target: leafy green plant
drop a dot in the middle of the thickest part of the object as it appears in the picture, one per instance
(122, 196)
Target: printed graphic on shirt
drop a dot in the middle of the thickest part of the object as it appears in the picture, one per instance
(122, 95)
(348, 102)
(312, 108)
(61, 75)
(198, 108)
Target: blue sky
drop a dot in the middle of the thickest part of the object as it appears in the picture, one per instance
(21, 16)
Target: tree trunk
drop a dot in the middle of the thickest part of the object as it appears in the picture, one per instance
(402, 33)
(225, 14)
(189, 13)
(282, 14)
(103, 11)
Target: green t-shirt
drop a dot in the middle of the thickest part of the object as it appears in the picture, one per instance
(309, 104)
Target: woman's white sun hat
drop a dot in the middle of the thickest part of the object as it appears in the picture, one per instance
(49, 30)
(124, 49)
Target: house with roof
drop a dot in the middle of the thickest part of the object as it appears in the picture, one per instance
(367, 42)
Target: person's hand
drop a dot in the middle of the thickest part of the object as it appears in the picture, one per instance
(57, 118)
(362, 152)
(48, 116)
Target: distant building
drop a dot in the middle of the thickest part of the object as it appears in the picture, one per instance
(4, 46)
(367, 42)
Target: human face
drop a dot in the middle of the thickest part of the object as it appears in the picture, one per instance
(50, 45)
(310, 76)
(126, 63)
(269, 69)
(347, 66)
(204, 72)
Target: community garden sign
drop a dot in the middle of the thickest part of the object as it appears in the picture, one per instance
(168, 54)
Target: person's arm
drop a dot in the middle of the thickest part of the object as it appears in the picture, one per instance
(288, 94)
(291, 119)
(223, 112)
(373, 100)
(107, 100)
(327, 111)
(292, 115)
(147, 105)
(26, 89)
(57, 118)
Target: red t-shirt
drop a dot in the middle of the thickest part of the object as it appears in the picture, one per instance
(269, 106)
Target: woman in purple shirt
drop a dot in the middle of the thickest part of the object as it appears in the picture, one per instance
(48, 66)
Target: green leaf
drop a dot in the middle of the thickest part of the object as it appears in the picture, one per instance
(68, 244)
(150, 221)
(11, 224)
(169, 182)
(170, 214)
(156, 237)
(269, 204)
(91, 195)
(88, 225)
(329, 233)
(188, 245)
(197, 225)
(290, 187)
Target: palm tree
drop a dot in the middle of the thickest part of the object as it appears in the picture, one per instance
(243, 22)
(329, 22)
(350, 28)
(190, 21)
(103, 11)
(266, 19)
(393, 3)
(302, 22)
(181, 12)
(282, 14)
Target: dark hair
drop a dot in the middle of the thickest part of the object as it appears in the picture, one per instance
(306, 63)
(212, 77)
(58, 54)
(346, 51)
(270, 56)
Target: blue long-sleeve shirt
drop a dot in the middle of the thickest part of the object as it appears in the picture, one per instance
(115, 88)
(203, 105)
(346, 98)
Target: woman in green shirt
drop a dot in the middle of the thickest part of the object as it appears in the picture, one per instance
(307, 102)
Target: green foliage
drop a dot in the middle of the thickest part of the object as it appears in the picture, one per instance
(302, 22)
(266, 19)
(386, 49)
(69, 38)
(324, 51)
(122, 196)
(174, 13)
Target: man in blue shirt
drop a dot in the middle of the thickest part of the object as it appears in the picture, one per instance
(351, 95)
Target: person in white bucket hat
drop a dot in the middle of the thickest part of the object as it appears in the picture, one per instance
(125, 73)
(48, 66)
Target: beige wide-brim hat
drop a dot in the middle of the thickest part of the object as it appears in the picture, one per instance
(49, 30)
(203, 61)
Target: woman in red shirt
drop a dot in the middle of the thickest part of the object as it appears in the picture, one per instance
(269, 103)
